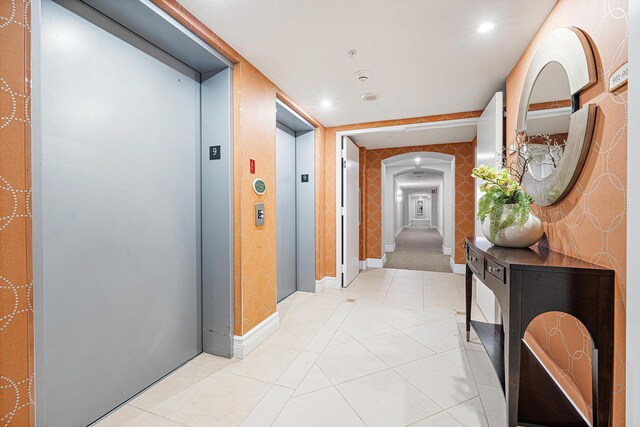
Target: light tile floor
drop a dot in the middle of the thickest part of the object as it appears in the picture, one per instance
(394, 357)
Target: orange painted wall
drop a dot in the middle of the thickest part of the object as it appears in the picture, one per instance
(464, 153)
(591, 222)
(16, 274)
(330, 182)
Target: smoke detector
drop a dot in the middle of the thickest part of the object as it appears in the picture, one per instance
(363, 75)
(352, 53)
(370, 97)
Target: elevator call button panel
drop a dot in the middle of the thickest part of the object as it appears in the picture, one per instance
(259, 214)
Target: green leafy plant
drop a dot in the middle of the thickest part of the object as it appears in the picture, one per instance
(500, 189)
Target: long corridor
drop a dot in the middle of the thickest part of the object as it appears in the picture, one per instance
(419, 249)
(386, 351)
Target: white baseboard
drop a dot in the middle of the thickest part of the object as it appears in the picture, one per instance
(390, 248)
(363, 265)
(326, 283)
(245, 344)
(384, 259)
(446, 250)
(457, 268)
(376, 262)
(400, 230)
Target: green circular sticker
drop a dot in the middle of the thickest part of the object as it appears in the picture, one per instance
(259, 186)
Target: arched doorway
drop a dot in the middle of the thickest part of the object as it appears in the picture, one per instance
(417, 211)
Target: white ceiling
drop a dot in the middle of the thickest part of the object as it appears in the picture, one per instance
(427, 180)
(426, 56)
(428, 134)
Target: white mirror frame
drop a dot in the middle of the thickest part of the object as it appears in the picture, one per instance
(571, 49)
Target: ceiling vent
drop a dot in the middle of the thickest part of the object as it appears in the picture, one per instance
(363, 75)
(419, 173)
(370, 97)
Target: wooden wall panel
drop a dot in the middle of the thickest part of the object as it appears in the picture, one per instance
(16, 274)
(590, 223)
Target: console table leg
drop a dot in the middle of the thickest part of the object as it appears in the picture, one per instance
(468, 293)
(602, 363)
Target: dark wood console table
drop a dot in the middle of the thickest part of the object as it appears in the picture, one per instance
(527, 283)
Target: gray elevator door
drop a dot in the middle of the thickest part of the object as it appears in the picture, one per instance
(120, 218)
(286, 212)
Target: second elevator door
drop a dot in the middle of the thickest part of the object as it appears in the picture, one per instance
(286, 275)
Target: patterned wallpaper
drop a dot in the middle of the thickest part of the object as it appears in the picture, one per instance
(591, 222)
(464, 153)
(16, 275)
(330, 181)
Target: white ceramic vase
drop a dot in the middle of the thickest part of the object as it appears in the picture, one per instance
(516, 235)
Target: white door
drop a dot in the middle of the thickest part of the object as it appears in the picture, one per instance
(488, 152)
(351, 213)
(489, 146)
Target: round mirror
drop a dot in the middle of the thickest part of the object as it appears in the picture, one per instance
(547, 120)
(552, 134)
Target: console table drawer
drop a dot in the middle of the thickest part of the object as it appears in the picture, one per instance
(496, 270)
(475, 262)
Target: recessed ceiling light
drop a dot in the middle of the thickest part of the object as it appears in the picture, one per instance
(326, 103)
(417, 159)
(486, 27)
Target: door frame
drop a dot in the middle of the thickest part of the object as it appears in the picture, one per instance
(294, 121)
(198, 51)
(338, 165)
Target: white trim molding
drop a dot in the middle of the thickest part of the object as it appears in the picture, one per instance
(363, 265)
(400, 230)
(376, 262)
(326, 283)
(632, 368)
(245, 344)
(446, 250)
(390, 248)
(457, 268)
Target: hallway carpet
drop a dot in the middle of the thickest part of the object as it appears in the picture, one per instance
(419, 249)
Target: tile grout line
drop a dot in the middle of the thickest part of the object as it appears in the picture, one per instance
(473, 374)
(162, 416)
(335, 386)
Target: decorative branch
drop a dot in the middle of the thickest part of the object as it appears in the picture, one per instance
(518, 157)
